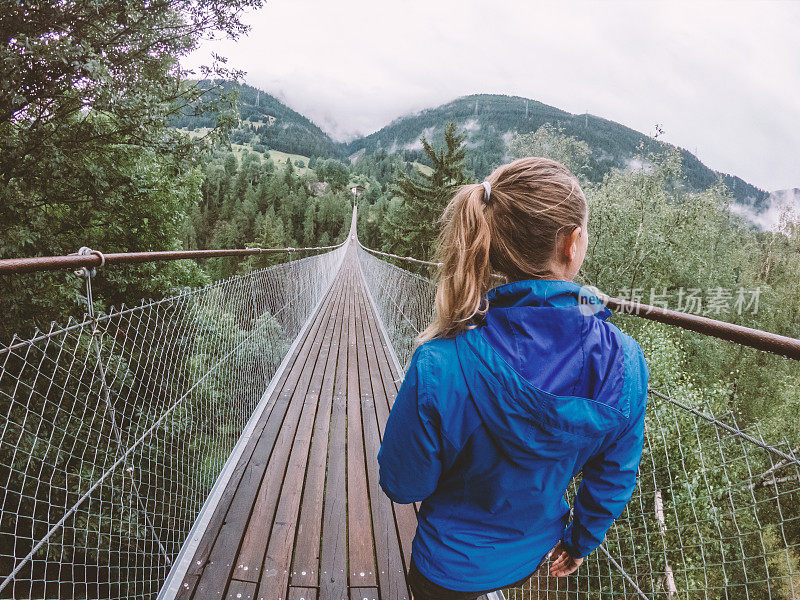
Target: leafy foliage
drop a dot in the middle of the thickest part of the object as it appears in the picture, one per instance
(88, 156)
(649, 233)
(552, 143)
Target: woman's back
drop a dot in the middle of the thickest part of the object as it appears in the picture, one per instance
(491, 427)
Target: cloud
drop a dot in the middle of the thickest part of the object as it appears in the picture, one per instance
(721, 78)
(636, 164)
(782, 205)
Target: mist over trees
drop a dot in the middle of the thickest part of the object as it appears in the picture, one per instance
(490, 120)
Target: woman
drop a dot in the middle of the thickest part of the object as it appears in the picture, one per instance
(512, 392)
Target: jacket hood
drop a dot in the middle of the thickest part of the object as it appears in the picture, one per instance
(543, 364)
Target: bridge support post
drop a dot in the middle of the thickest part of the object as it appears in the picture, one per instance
(669, 578)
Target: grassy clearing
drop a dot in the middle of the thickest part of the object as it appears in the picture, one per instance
(278, 157)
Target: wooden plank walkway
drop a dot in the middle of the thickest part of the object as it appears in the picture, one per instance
(303, 516)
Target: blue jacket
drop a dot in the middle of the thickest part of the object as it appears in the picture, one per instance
(489, 428)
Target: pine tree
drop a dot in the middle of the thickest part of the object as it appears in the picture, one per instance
(231, 164)
(240, 185)
(244, 219)
(310, 224)
(288, 174)
(412, 227)
(264, 198)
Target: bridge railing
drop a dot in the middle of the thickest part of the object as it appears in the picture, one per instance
(716, 512)
(114, 428)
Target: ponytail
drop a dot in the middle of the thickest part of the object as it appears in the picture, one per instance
(465, 271)
(508, 226)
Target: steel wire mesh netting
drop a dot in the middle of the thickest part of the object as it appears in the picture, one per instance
(113, 429)
(715, 514)
(404, 301)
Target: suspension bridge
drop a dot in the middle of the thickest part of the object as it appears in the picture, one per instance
(222, 442)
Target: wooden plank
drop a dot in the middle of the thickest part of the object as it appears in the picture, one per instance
(333, 550)
(316, 515)
(250, 558)
(405, 514)
(188, 585)
(302, 593)
(218, 567)
(390, 567)
(203, 550)
(275, 573)
(395, 376)
(201, 555)
(384, 395)
(359, 524)
(363, 593)
(305, 566)
(241, 590)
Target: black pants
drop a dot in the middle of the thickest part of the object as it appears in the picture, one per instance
(424, 589)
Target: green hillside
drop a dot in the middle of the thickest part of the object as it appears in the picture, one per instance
(490, 120)
(268, 122)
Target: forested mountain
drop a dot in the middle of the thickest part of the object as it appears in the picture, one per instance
(268, 122)
(490, 120)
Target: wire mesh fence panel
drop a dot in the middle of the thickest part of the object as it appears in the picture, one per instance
(114, 428)
(715, 514)
(404, 301)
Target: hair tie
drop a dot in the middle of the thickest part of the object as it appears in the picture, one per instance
(488, 189)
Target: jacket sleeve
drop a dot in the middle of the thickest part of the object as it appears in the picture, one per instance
(409, 457)
(609, 477)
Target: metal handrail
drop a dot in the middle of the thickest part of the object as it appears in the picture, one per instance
(739, 334)
(95, 258)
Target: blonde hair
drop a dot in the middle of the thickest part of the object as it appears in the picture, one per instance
(512, 232)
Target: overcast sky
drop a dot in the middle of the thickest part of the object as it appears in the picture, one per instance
(721, 78)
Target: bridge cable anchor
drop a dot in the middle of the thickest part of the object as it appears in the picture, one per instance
(87, 274)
